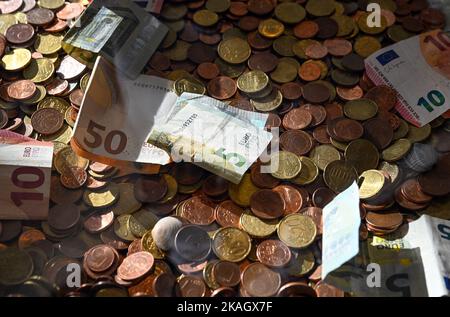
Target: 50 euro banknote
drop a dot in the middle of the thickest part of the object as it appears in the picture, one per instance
(418, 68)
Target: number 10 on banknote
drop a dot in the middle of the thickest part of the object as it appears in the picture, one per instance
(419, 69)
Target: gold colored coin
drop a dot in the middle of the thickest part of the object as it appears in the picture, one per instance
(54, 102)
(323, 154)
(230, 70)
(173, 12)
(177, 74)
(290, 12)
(121, 228)
(38, 96)
(21, 17)
(320, 8)
(205, 18)
(84, 81)
(241, 193)
(397, 150)
(39, 71)
(189, 84)
(51, 4)
(271, 28)
(48, 43)
(269, 103)
(64, 135)
(67, 158)
(149, 245)
(6, 20)
(339, 175)
(257, 227)
(53, 57)
(416, 134)
(178, 52)
(308, 172)
(402, 130)
(252, 82)
(372, 183)
(297, 231)
(127, 203)
(366, 46)
(346, 25)
(141, 221)
(362, 154)
(360, 109)
(172, 188)
(218, 6)
(338, 145)
(16, 59)
(368, 29)
(285, 165)
(189, 189)
(231, 244)
(299, 48)
(286, 71)
(103, 197)
(302, 263)
(209, 277)
(234, 50)
(68, 117)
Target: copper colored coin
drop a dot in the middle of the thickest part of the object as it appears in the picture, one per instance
(70, 11)
(10, 6)
(328, 28)
(338, 47)
(222, 88)
(73, 177)
(238, 8)
(21, 90)
(315, 213)
(265, 62)
(434, 183)
(296, 289)
(164, 285)
(160, 62)
(267, 204)
(190, 286)
(320, 134)
(262, 180)
(198, 210)
(248, 23)
(404, 202)
(318, 113)
(259, 280)
(316, 51)
(63, 217)
(28, 237)
(322, 196)
(150, 188)
(187, 173)
(201, 53)
(325, 290)
(345, 130)
(306, 29)
(258, 42)
(40, 16)
(208, 70)
(260, 7)
(135, 266)
(226, 274)
(297, 142)
(379, 132)
(227, 214)
(210, 39)
(3, 118)
(385, 220)
(316, 93)
(57, 26)
(215, 186)
(291, 91)
(189, 33)
(273, 121)
(47, 121)
(99, 222)
(19, 33)
(292, 198)
(334, 110)
(100, 168)
(309, 71)
(76, 97)
(350, 93)
(273, 253)
(57, 86)
(384, 96)
(297, 119)
(61, 195)
(100, 258)
(412, 191)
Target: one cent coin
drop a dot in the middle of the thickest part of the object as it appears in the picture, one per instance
(267, 204)
(47, 121)
(21, 89)
(20, 33)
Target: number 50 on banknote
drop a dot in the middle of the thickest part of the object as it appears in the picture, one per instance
(419, 69)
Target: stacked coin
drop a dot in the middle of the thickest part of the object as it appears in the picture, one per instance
(300, 62)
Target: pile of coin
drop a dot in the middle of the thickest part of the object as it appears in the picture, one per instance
(186, 232)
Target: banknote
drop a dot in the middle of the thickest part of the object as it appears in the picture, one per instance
(419, 70)
(341, 221)
(210, 134)
(120, 31)
(25, 172)
(117, 115)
